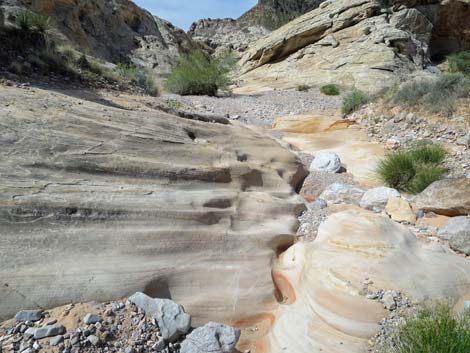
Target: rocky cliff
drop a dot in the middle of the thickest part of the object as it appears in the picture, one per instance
(115, 31)
(238, 34)
(274, 13)
(369, 44)
(222, 35)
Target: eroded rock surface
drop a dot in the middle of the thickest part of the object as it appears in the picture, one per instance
(116, 31)
(325, 283)
(361, 43)
(98, 201)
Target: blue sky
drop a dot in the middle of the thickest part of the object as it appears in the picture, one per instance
(184, 12)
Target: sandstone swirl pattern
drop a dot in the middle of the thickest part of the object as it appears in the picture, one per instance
(97, 202)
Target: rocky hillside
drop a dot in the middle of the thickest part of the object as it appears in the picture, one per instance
(367, 44)
(238, 34)
(116, 31)
(222, 35)
(272, 14)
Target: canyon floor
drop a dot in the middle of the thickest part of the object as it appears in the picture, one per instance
(219, 216)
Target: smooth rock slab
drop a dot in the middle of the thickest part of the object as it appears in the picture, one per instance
(342, 193)
(211, 338)
(326, 162)
(28, 315)
(170, 316)
(377, 197)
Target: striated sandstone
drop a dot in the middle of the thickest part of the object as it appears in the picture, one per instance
(361, 43)
(98, 201)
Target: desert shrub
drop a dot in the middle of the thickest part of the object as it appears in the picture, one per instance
(437, 95)
(302, 88)
(29, 21)
(414, 169)
(460, 62)
(89, 65)
(146, 81)
(434, 329)
(198, 74)
(330, 90)
(53, 61)
(425, 176)
(353, 101)
(127, 71)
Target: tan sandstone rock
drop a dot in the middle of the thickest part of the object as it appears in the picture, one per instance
(400, 210)
(365, 44)
(326, 309)
(448, 197)
(98, 202)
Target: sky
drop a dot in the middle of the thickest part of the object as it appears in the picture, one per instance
(184, 12)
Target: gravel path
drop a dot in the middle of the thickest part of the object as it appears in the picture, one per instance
(258, 109)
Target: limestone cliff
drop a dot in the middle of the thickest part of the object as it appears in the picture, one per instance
(115, 31)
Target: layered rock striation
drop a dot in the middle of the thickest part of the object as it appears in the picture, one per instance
(99, 201)
(369, 44)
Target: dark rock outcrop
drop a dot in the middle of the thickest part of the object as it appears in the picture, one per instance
(116, 31)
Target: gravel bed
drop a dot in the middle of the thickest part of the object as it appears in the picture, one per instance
(259, 109)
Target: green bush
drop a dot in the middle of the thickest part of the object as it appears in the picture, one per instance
(127, 71)
(460, 62)
(198, 74)
(330, 90)
(353, 101)
(434, 329)
(146, 81)
(302, 88)
(414, 169)
(437, 95)
(29, 21)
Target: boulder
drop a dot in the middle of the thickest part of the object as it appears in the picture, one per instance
(326, 162)
(91, 319)
(461, 242)
(342, 193)
(448, 197)
(454, 226)
(45, 331)
(211, 338)
(28, 315)
(171, 318)
(377, 197)
(400, 210)
(457, 232)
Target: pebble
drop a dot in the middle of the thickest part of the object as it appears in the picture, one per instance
(91, 319)
(54, 341)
